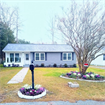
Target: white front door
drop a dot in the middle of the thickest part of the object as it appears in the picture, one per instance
(27, 58)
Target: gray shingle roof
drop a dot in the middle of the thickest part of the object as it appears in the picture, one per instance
(38, 48)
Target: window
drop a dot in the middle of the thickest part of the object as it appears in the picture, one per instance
(16, 57)
(39, 56)
(11, 57)
(42, 56)
(7, 59)
(64, 56)
(67, 56)
(27, 56)
(104, 57)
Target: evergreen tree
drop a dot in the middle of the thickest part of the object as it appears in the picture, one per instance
(6, 36)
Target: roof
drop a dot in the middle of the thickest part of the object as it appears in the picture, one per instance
(103, 48)
(38, 48)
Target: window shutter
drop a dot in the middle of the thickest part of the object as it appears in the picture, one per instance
(33, 56)
(72, 55)
(61, 56)
(45, 56)
(103, 56)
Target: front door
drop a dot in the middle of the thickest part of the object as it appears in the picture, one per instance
(27, 58)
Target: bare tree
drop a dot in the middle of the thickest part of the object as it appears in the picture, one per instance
(83, 27)
(10, 17)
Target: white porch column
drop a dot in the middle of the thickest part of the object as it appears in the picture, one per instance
(5, 57)
(22, 58)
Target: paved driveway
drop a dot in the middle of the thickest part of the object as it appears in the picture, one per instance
(88, 102)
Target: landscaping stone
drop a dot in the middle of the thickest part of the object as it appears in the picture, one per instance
(73, 85)
(81, 79)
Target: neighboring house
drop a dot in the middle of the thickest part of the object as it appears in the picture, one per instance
(99, 61)
(48, 54)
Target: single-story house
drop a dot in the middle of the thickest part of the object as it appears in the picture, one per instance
(99, 61)
(47, 54)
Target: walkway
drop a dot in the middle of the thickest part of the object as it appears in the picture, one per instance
(87, 102)
(19, 76)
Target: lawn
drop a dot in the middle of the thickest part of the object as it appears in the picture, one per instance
(57, 88)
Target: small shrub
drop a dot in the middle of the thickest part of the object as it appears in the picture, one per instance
(37, 65)
(9, 65)
(49, 65)
(42, 64)
(54, 65)
(63, 74)
(74, 65)
(4, 65)
(72, 76)
(60, 65)
(65, 65)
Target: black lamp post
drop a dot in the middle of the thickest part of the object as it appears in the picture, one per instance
(32, 71)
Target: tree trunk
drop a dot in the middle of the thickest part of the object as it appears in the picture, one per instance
(84, 69)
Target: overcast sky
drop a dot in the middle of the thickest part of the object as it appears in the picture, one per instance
(36, 16)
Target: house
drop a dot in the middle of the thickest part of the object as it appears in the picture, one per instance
(47, 54)
(99, 61)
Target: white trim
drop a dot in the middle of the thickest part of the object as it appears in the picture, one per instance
(39, 56)
(67, 56)
(14, 58)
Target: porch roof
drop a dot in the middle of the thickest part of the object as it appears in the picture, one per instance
(38, 48)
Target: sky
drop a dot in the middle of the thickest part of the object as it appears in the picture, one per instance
(36, 18)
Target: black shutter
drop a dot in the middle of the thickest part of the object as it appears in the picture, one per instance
(33, 56)
(103, 56)
(45, 56)
(72, 55)
(61, 56)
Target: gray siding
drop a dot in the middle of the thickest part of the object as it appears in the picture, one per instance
(55, 57)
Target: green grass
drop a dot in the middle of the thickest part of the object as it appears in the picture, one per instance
(57, 87)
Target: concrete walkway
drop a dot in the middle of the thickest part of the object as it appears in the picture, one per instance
(19, 76)
(87, 102)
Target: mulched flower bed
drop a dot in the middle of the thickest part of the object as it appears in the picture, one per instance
(86, 76)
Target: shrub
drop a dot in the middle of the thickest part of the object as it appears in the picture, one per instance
(42, 64)
(60, 65)
(9, 65)
(49, 65)
(54, 65)
(37, 65)
(65, 65)
(74, 65)
(4, 65)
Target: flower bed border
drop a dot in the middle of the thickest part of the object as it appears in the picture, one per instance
(82, 79)
(31, 97)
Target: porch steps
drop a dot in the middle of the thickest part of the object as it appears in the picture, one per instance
(26, 65)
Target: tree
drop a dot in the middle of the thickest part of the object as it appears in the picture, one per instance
(21, 41)
(10, 17)
(6, 36)
(83, 27)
